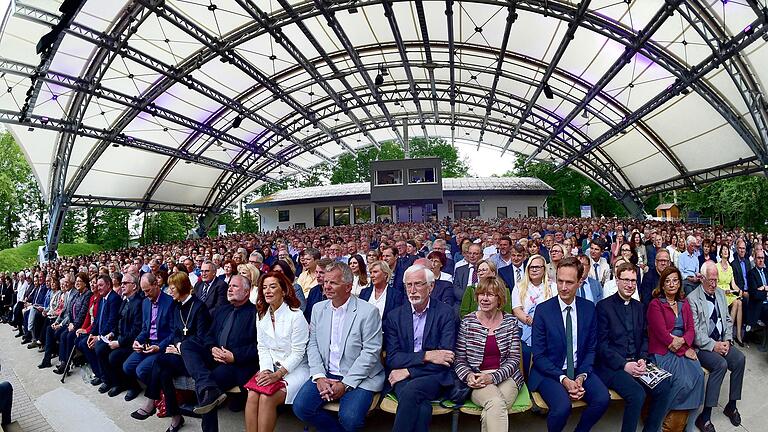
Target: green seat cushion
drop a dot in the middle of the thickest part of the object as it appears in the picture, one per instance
(522, 403)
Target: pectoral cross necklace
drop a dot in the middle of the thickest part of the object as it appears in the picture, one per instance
(185, 321)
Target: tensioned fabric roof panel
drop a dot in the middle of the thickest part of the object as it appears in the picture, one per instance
(206, 99)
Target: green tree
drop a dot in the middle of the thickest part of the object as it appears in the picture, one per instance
(452, 165)
(571, 190)
(20, 197)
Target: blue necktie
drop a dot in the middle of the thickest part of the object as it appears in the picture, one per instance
(101, 312)
(582, 294)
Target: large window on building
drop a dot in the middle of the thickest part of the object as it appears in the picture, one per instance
(322, 216)
(533, 212)
(383, 213)
(389, 177)
(362, 214)
(421, 175)
(501, 212)
(466, 211)
(341, 216)
(283, 215)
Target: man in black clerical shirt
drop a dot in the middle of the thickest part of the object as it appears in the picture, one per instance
(622, 353)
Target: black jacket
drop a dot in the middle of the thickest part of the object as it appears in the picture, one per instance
(613, 336)
(130, 322)
(217, 294)
(194, 317)
(242, 337)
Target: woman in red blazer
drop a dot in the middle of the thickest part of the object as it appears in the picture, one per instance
(670, 339)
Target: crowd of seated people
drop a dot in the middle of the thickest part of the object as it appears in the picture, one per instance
(470, 310)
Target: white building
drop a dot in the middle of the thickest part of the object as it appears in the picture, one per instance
(334, 205)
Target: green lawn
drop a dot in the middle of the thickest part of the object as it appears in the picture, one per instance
(26, 254)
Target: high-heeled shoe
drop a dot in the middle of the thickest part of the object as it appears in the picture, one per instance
(739, 342)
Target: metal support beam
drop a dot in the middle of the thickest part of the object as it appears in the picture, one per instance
(573, 25)
(691, 79)
(427, 52)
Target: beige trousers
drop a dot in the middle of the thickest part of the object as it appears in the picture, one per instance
(495, 399)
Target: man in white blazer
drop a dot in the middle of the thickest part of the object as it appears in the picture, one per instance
(344, 353)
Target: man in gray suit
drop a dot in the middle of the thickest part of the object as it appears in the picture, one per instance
(714, 340)
(344, 353)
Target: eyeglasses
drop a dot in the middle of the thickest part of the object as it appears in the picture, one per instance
(127, 283)
(628, 281)
(671, 281)
(418, 284)
(626, 250)
(535, 267)
(555, 251)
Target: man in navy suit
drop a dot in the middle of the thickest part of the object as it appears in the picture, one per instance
(589, 288)
(622, 353)
(514, 272)
(467, 274)
(104, 325)
(210, 289)
(563, 339)
(157, 316)
(419, 339)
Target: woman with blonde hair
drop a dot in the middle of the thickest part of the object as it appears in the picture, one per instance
(250, 272)
(485, 269)
(534, 288)
(556, 253)
(488, 354)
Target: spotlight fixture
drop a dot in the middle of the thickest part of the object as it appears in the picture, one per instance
(237, 122)
(379, 79)
(685, 91)
(584, 113)
(548, 92)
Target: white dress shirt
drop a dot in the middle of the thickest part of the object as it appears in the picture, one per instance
(380, 302)
(337, 325)
(574, 323)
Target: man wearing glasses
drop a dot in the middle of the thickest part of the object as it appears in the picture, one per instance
(113, 354)
(622, 353)
(714, 344)
(210, 289)
(651, 279)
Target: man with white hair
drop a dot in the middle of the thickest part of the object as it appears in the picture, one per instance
(715, 350)
(688, 264)
(419, 339)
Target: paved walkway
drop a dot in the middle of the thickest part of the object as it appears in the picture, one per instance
(41, 403)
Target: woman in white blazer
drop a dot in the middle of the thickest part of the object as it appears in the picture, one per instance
(282, 333)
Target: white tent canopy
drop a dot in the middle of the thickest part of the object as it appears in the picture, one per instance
(190, 104)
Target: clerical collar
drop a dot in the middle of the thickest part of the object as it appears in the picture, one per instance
(183, 302)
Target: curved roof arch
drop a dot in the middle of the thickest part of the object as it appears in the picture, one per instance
(188, 105)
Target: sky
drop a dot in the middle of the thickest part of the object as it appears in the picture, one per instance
(486, 162)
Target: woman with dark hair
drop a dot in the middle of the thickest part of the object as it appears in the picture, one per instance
(443, 289)
(359, 273)
(283, 333)
(642, 255)
(229, 269)
(190, 318)
(286, 268)
(670, 341)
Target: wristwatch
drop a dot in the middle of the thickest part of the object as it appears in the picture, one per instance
(348, 388)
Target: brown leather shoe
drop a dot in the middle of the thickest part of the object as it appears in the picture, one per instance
(704, 426)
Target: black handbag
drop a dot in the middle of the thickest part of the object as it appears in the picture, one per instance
(459, 392)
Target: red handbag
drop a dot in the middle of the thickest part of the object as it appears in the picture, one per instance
(268, 390)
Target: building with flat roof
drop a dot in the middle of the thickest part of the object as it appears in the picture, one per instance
(347, 204)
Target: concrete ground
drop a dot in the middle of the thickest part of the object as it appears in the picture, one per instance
(41, 403)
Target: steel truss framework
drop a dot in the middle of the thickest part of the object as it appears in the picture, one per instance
(490, 109)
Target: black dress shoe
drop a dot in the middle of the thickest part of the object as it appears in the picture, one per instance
(104, 388)
(25, 340)
(132, 394)
(177, 427)
(44, 365)
(59, 370)
(18, 335)
(739, 342)
(704, 426)
(114, 391)
(96, 381)
(733, 416)
(212, 398)
(140, 414)
(33, 345)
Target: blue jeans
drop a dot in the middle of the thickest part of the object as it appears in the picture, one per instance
(353, 407)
